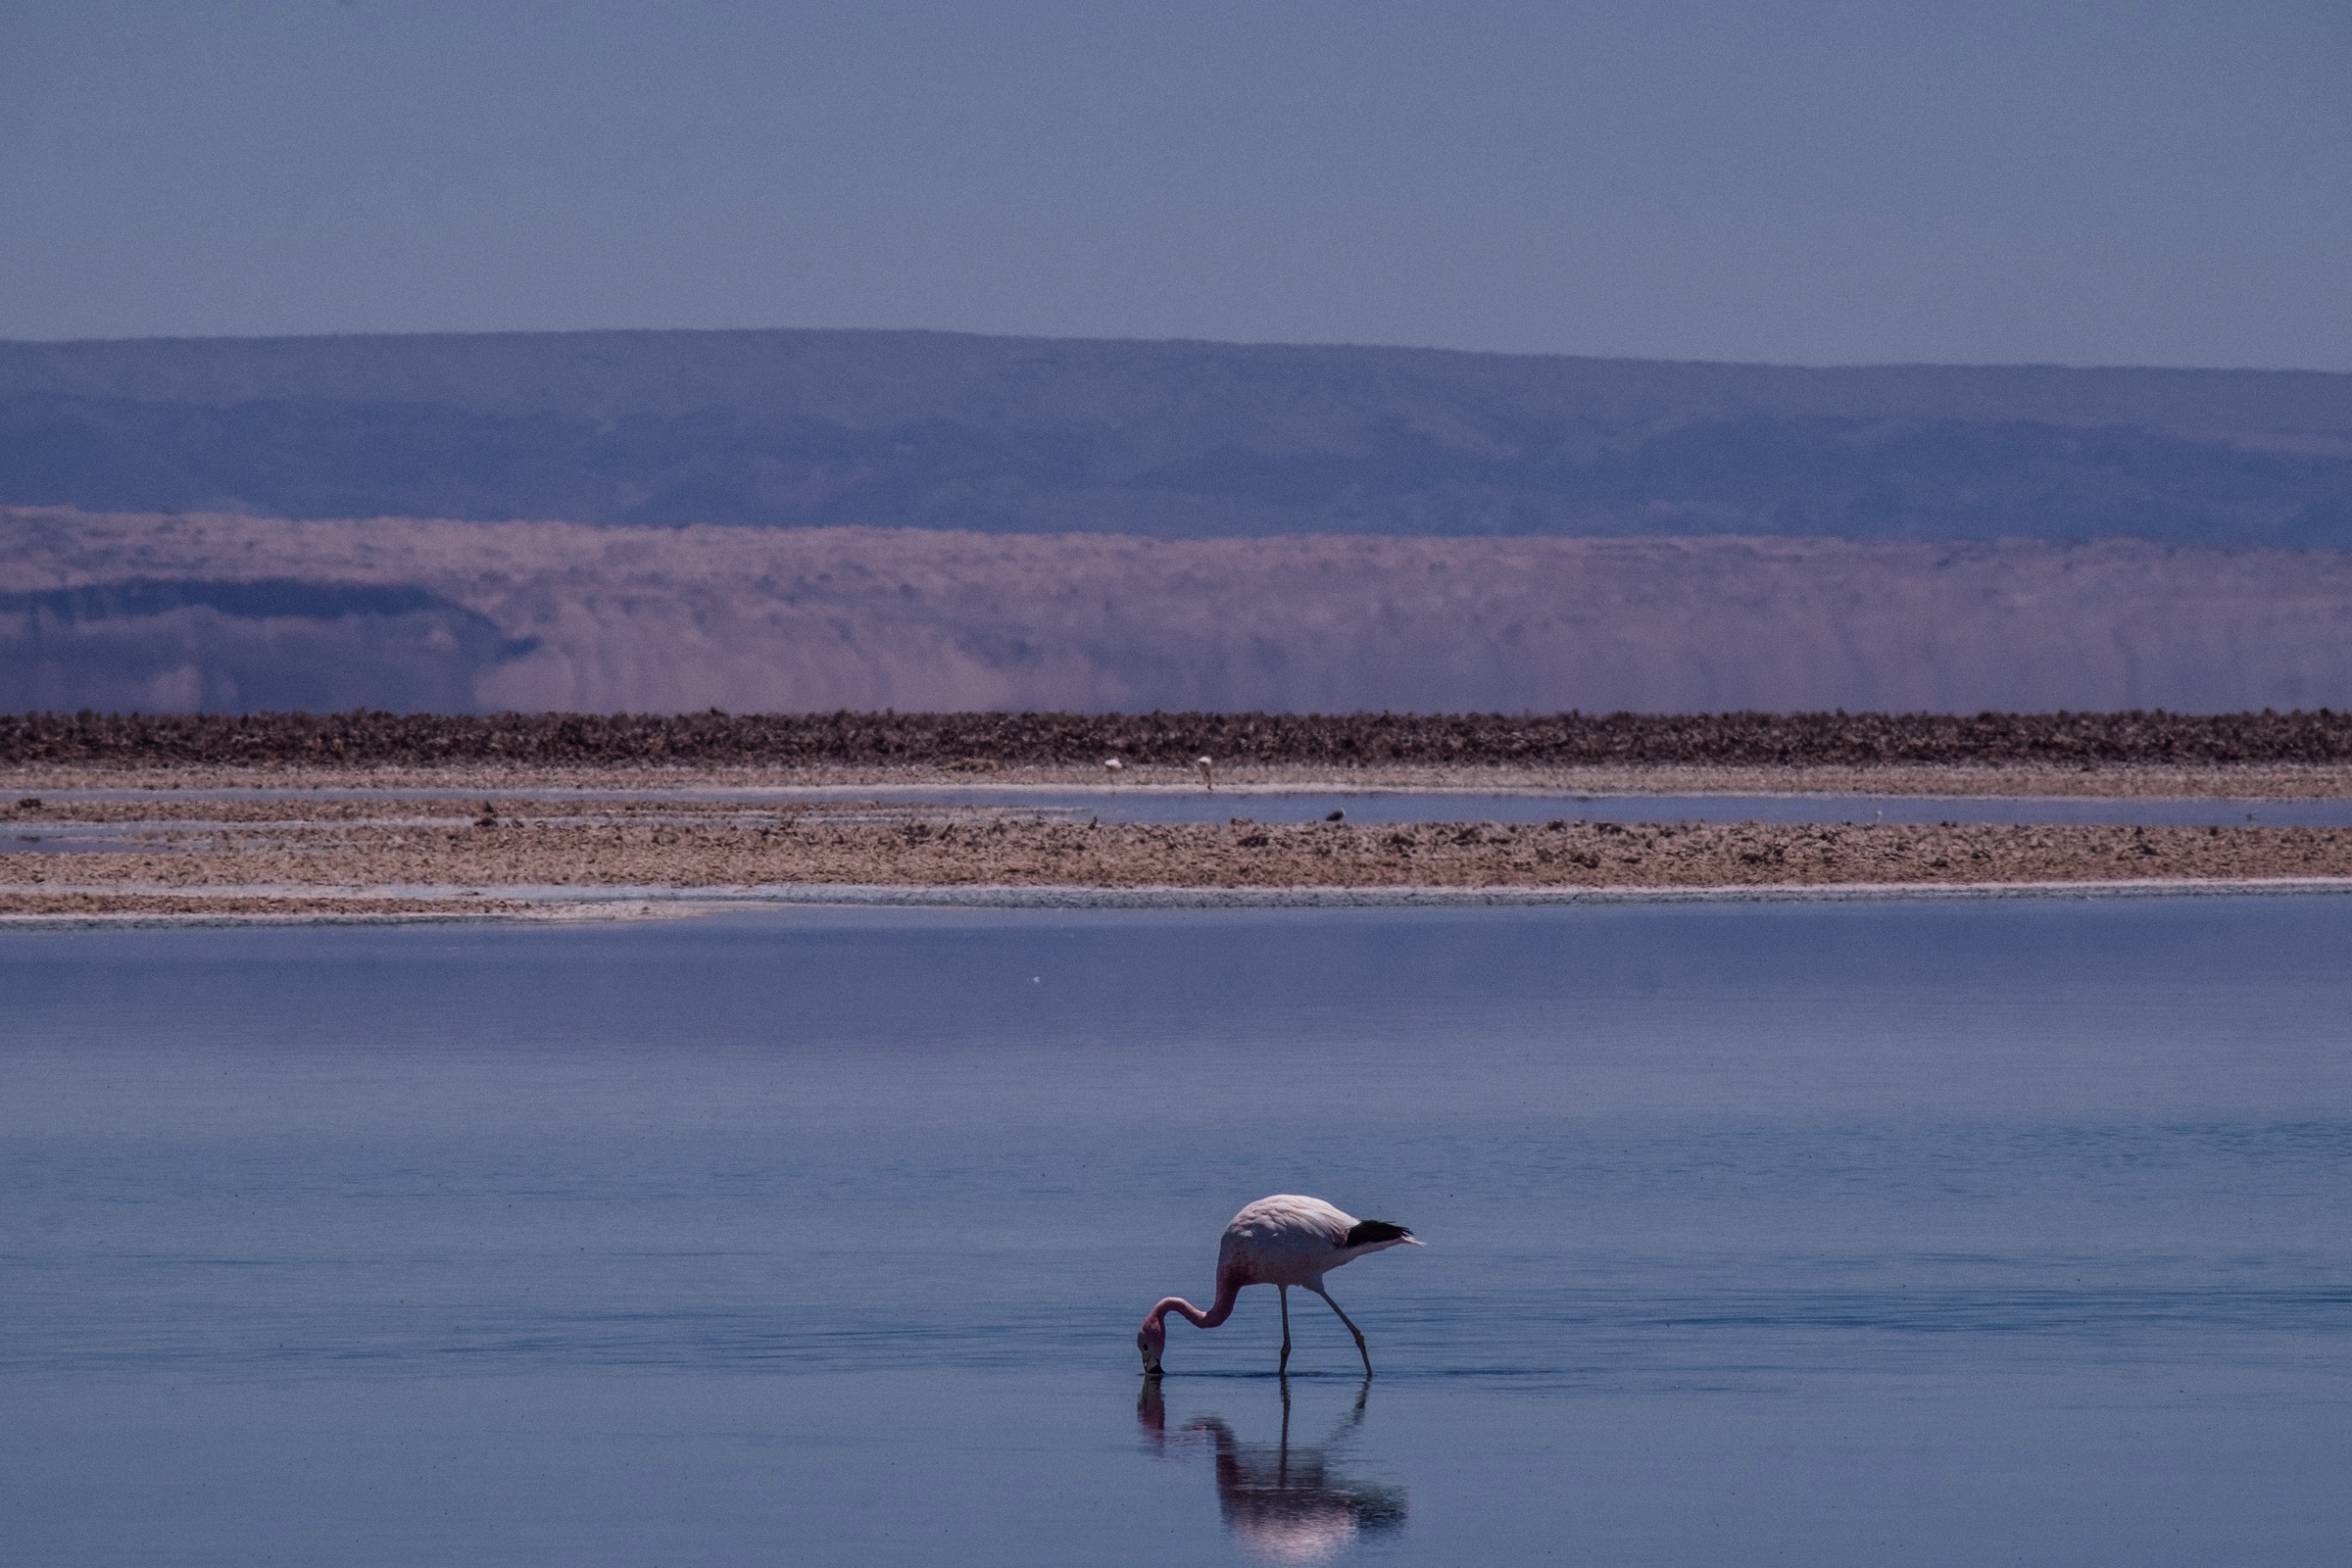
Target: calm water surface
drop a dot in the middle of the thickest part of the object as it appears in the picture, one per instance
(1783, 1234)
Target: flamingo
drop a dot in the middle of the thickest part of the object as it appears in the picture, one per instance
(1281, 1241)
(1208, 772)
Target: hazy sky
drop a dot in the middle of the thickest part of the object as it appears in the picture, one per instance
(1986, 180)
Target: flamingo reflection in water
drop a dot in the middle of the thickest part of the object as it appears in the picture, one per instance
(1284, 1504)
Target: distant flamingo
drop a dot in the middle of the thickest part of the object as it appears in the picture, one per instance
(1208, 771)
(1281, 1241)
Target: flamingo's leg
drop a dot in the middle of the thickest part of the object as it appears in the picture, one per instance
(1282, 1367)
(1317, 1286)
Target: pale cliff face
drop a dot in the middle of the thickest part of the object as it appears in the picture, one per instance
(213, 612)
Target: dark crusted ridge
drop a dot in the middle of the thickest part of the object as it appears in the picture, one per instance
(980, 739)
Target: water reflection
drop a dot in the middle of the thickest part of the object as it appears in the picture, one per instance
(1283, 1504)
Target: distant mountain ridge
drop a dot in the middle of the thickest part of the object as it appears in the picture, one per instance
(1174, 440)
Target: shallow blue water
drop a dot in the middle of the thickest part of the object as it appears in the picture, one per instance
(1782, 1233)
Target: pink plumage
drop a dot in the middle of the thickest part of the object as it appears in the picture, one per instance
(1281, 1241)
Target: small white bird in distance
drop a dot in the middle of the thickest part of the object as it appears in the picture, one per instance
(1208, 772)
(1115, 768)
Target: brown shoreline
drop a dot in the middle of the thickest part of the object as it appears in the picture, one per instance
(410, 856)
(956, 741)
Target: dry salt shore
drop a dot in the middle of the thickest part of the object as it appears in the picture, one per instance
(287, 906)
(158, 855)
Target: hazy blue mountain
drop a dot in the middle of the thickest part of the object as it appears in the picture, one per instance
(1011, 435)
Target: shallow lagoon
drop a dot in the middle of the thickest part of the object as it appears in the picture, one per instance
(1790, 1233)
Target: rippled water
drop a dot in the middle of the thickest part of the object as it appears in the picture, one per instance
(1782, 1233)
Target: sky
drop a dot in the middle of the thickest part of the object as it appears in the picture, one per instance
(2090, 184)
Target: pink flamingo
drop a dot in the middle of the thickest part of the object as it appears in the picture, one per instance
(1281, 1241)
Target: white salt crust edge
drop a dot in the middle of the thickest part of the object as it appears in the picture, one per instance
(652, 903)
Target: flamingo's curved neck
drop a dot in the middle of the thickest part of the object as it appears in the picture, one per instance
(1229, 1287)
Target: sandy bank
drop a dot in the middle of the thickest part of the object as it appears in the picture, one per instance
(340, 856)
(23, 909)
